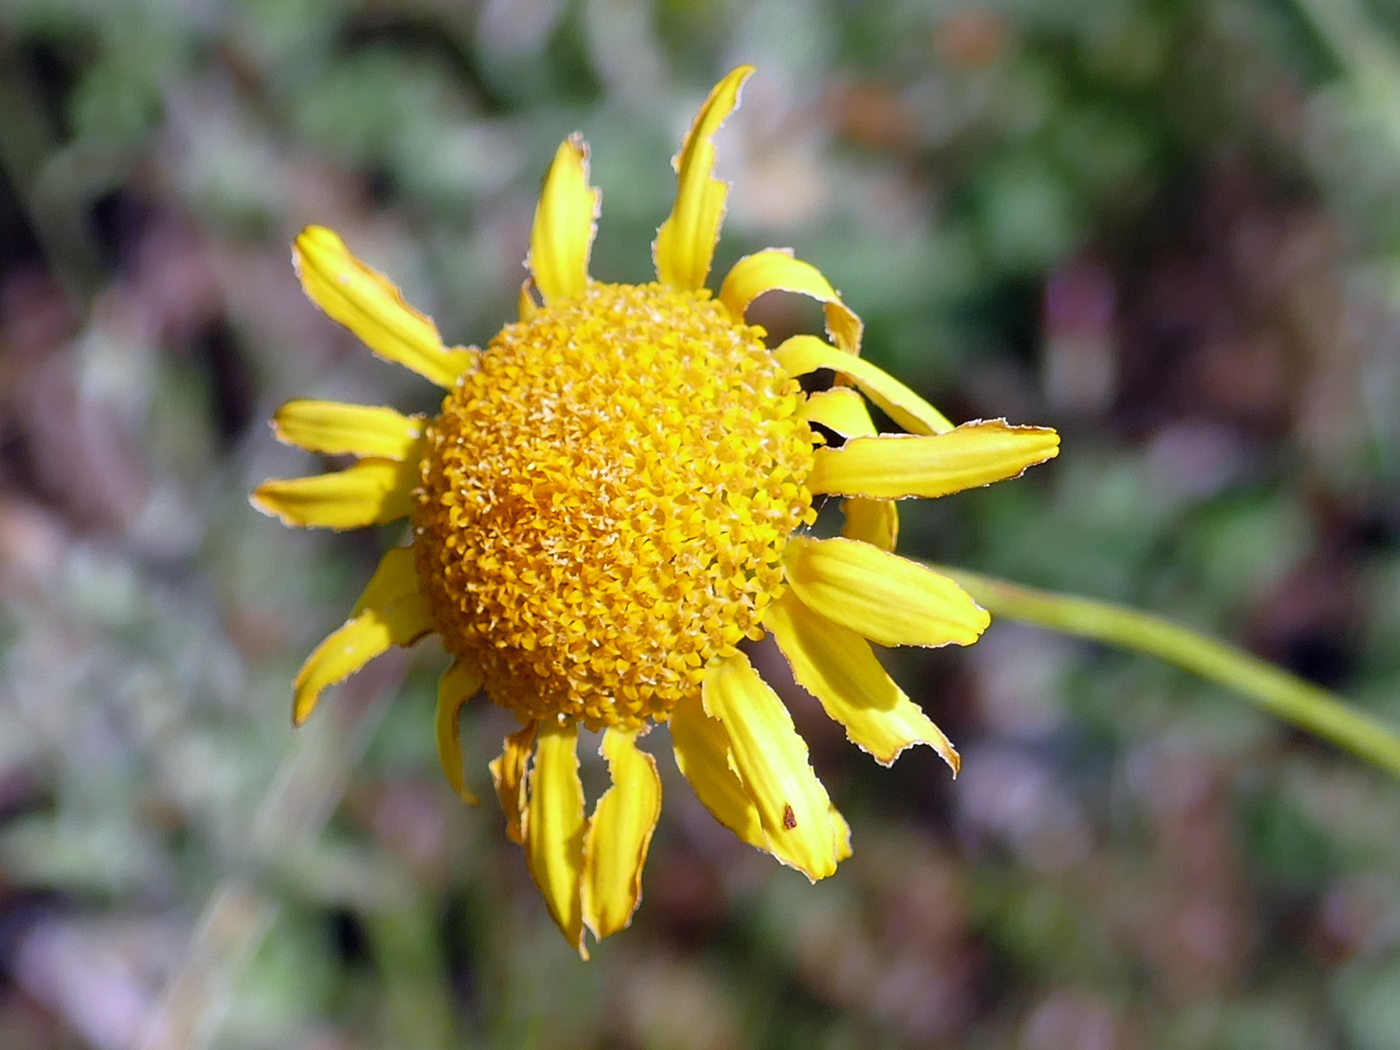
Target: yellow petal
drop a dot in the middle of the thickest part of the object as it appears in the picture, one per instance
(350, 647)
(841, 409)
(883, 597)
(361, 430)
(371, 492)
(368, 304)
(701, 746)
(619, 835)
(875, 521)
(395, 578)
(838, 667)
(685, 244)
(895, 466)
(771, 760)
(806, 353)
(774, 269)
(566, 219)
(508, 774)
(458, 684)
(555, 828)
(843, 835)
(528, 306)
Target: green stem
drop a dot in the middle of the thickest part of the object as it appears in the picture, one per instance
(1276, 691)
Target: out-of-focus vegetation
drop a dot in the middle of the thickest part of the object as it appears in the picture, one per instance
(1170, 228)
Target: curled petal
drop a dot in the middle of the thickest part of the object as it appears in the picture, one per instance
(368, 304)
(838, 667)
(335, 428)
(873, 521)
(619, 835)
(896, 466)
(879, 595)
(566, 218)
(840, 408)
(458, 684)
(771, 760)
(372, 492)
(701, 746)
(685, 243)
(508, 774)
(555, 828)
(774, 269)
(350, 647)
(806, 353)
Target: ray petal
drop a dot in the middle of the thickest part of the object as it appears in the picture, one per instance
(335, 428)
(775, 269)
(802, 354)
(685, 243)
(838, 667)
(874, 521)
(458, 684)
(840, 408)
(771, 760)
(395, 578)
(566, 218)
(508, 772)
(351, 646)
(555, 828)
(896, 466)
(881, 596)
(619, 835)
(701, 746)
(372, 492)
(368, 303)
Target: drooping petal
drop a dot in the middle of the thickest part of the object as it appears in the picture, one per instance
(395, 578)
(840, 408)
(771, 760)
(881, 596)
(685, 243)
(838, 667)
(458, 684)
(619, 835)
(508, 774)
(355, 644)
(566, 218)
(368, 303)
(555, 828)
(775, 269)
(874, 521)
(335, 428)
(896, 466)
(372, 492)
(806, 353)
(701, 746)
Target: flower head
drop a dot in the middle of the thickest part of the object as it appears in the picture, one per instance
(612, 496)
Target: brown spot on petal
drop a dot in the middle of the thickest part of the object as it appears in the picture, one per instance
(789, 817)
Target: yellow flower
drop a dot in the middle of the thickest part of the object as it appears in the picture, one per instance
(612, 497)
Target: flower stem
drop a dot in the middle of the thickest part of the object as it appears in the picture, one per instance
(1271, 688)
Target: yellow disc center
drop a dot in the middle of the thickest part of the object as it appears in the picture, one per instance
(606, 499)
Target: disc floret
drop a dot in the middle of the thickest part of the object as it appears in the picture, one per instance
(606, 498)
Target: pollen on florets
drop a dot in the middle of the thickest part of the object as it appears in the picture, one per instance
(606, 497)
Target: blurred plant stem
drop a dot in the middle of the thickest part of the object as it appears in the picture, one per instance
(1271, 688)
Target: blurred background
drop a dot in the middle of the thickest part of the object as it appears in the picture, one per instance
(1170, 228)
